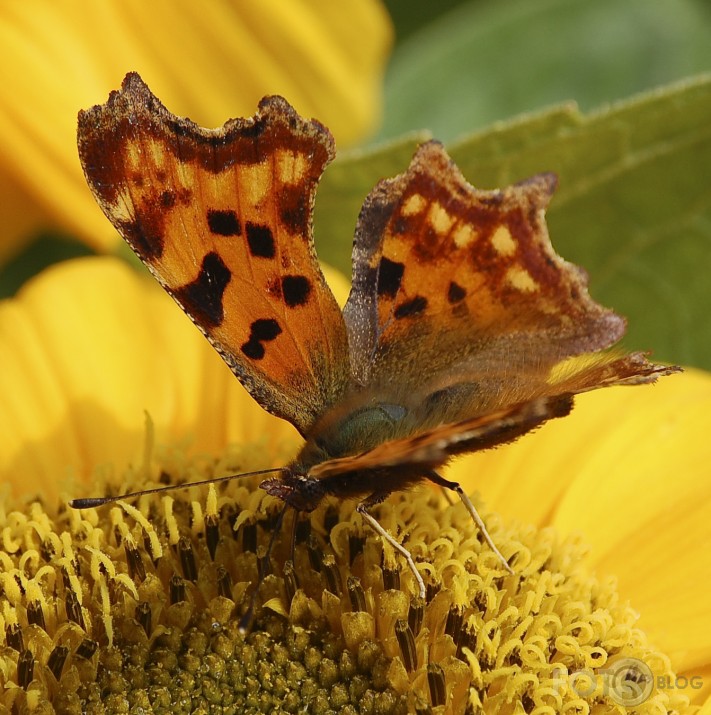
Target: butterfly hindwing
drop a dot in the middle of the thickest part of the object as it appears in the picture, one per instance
(434, 446)
(223, 220)
(460, 300)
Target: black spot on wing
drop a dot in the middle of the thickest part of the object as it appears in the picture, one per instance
(253, 349)
(146, 232)
(223, 222)
(406, 225)
(145, 236)
(202, 298)
(265, 329)
(456, 294)
(294, 209)
(167, 199)
(390, 275)
(411, 308)
(295, 290)
(261, 331)
(260, 240)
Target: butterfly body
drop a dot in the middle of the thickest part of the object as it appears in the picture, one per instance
(357, 431)
(342, 434)
(459, 317)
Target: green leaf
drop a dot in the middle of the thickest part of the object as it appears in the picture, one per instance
(490, 59)
(633, 205)
(343, 189)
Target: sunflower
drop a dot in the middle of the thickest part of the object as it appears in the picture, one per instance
(144, 604)
(175, 603)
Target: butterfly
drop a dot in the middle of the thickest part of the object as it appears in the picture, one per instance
(459, 329)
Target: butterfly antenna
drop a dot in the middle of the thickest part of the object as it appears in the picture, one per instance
(246, 619)
(90, 502)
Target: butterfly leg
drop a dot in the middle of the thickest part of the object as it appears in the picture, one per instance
(362, 509)
(456, 487)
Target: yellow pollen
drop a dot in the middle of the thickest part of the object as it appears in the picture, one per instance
(170, 520)
(211, 505)
(154, 541)
(503, 242)
(521, 279)
(198, 516)
(127, 582)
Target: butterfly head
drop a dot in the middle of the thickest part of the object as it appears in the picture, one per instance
(299, 491)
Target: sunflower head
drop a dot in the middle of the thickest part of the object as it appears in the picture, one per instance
(140, 605)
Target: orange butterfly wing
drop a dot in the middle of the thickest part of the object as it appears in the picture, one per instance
(460, 289)
(433, 447)
(223, 219)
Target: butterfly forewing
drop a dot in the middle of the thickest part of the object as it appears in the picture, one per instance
(465, 281)
(223, 219)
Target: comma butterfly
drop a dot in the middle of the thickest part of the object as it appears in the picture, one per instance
(458, 314)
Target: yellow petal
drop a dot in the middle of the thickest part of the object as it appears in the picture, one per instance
(528, 479)
(702, 685)
(628, 470)
(86, 348)
(644, 504)
(21, 217)
(209, 61)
